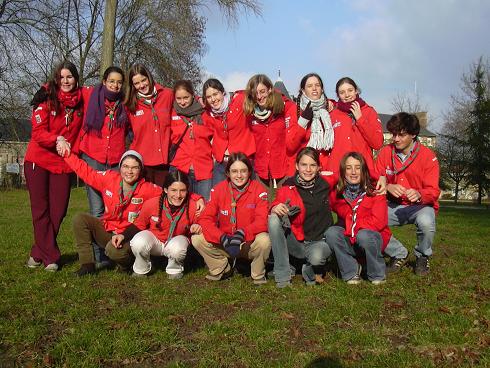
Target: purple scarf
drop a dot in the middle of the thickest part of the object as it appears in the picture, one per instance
(345, 106)
(96, 109)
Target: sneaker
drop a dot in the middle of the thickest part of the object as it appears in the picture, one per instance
(422, 266)
(175, 276)
(86, 269)
(357, 277)
(32, 263)
(260, 281)
(52, 267)
(395, 264)
(378, 282)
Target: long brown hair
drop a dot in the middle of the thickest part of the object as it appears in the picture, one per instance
(131, 92)
(366, 184)
(54, 82)
(274, 100)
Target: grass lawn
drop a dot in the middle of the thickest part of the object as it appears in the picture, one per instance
(113, 320)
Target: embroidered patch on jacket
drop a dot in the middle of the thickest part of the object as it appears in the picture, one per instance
(250, 205)
(155, 218)
(132, 216)
(336, 124)
(389, 171)
(38, 109)
(286, 121)
(108, 193)
(263, 196)
(224, 212)
(139, 113)
(136, 200)
(176, 117)
(38, 119)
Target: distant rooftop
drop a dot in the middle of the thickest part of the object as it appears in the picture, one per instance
(424, 132)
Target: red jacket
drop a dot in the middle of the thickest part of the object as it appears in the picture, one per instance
(152, 137)
(236, 137)
(372, 214)
(291, 192)
(149, 218)
(108, 183)
(251, 212)
(110, 145)
(364, 136)
(47, 126)
(196, 151)
(274, 142)
(422, 174)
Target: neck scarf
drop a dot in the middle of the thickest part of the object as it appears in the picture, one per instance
(149, 100)
(98, 108)
(303, 183)
(322, 135)
(69, 102)
(408, 161)
(192, 112)
(224, 106)
(260, 114)
(241, 191)
(123, 201)
(345, 106)
(354, 203)
(352, 191)
(172, 215)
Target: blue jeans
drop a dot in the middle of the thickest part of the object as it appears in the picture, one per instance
(96, 203)
(424, 219)
(284, 243)
(201, 187)
(367, 243)
(218, 172)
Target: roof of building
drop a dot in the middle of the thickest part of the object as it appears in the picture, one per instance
(15, 130)
(279, 85)
(424, 132)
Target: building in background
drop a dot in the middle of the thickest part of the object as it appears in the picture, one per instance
(14, 137)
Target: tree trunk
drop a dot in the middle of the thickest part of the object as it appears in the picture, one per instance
(456, 192)
(108, 36)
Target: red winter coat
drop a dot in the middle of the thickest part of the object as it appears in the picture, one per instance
(47, 126)
(422, 175)
(251, 212)
(364, 136)
(274, 142)
(152, 137)
(149, 218)
(108, 183)
(107, 147)
(237, 137)
(372, 214)
(196, 151)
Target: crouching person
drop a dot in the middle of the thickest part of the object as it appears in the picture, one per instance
(362, 228)
(123, 194)
(300, 216)
(234, 223)
(163, 227)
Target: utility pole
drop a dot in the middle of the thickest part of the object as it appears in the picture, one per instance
(109, 35)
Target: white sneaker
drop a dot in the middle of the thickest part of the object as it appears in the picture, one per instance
(52, 267)
(32, 263)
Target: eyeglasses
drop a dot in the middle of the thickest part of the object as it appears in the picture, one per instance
(130, 168)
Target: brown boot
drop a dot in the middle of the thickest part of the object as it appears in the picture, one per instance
(86, 269)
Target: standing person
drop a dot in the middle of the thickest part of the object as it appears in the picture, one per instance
(356, 126)
(269, 116)
(191, 139)
(124, 194)
(362, 226)
(163, 227)
(103, 135)
(234, 223)
(224, 111)
(314, 119)
(412, 172)
(56, 121)
(300, 216)
(150, 108)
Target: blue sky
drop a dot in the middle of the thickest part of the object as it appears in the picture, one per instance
(388, 47)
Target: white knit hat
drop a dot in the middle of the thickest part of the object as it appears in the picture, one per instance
(132, 153)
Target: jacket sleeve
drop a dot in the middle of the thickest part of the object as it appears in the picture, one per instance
(94, 178)
(142, 222)
(208, 220)
(259, 224)
(382, 160)
(295, 134)
(40, 127)
(377, 220)
(370, 127)
(430, 191)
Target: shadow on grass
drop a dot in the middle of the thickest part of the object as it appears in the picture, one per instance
(324, 362)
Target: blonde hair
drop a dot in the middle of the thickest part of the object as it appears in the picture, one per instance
(274, 100)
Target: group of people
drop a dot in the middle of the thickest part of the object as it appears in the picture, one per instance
(234, 174)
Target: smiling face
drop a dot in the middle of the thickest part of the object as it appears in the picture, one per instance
(239, 173)
(141, 84)
(352, 170)
(261, 94)
(214, 98)
(130, 170)
(176, 193)
(113, 82)
(183, 98)
(403, 141)
(313, 88)
(67, 81)
(307, 168)
(347, 92)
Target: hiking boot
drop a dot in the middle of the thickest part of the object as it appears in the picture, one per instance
(222, 276)
(260, 281)
(395, 264)
(52, 267)
(86, 269)
(357, 277)
(422, 266)
(32, 263)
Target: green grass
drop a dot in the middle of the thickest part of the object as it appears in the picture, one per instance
(112, 320)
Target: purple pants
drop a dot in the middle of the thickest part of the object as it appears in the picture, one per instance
(49, 194)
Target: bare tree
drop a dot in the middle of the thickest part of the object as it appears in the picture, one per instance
(406, 102)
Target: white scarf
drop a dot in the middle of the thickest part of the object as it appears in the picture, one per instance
(322, 135)
(223, 107)
(149, 96)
